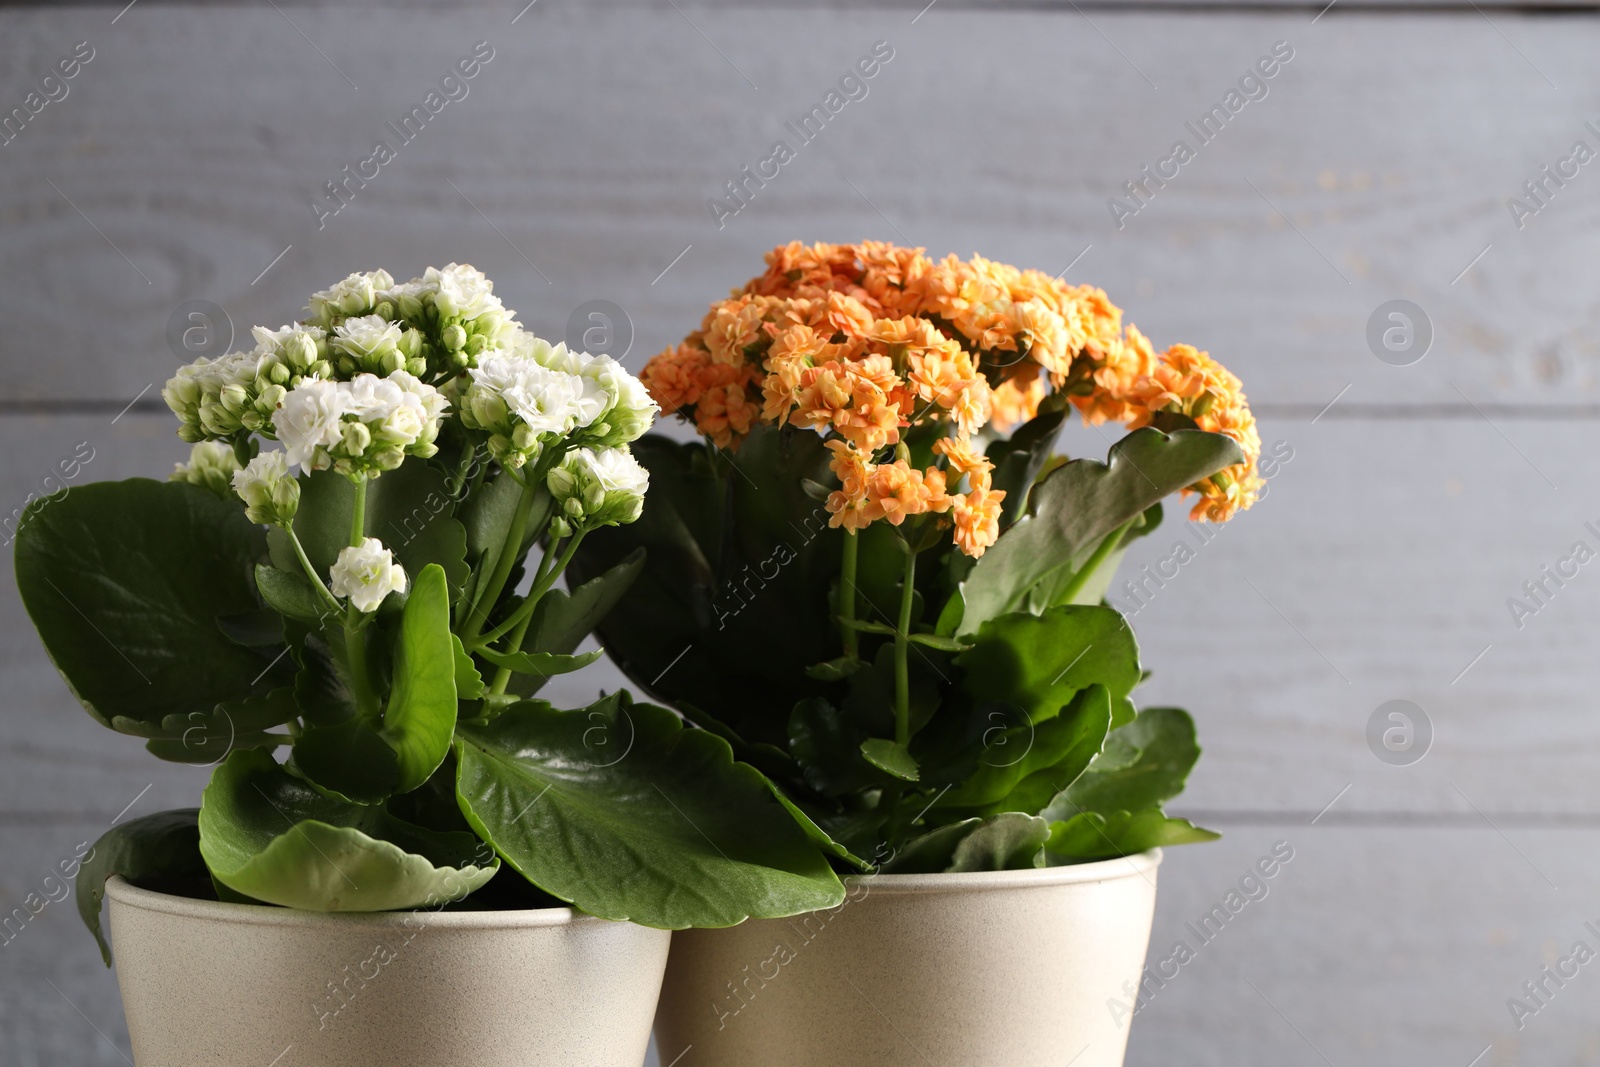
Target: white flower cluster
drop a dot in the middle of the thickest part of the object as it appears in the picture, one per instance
(366, 573)
(537, 393)
(270, 493)
(431, 326)
(361, 427)
(604, 488)
(219, 398)
(211, 465)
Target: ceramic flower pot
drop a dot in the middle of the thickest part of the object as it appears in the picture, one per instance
(1009, 969)
(210, 983)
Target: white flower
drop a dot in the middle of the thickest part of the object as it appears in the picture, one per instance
(461, 291)
(356, 295)
(371, 340)
(519, 401)
(366, 573)
(309, 421)
(270, 493)
(604, 488)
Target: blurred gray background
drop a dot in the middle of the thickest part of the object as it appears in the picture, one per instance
(1425, 481)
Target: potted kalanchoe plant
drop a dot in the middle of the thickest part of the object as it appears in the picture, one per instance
(875, 581)
(373, 598)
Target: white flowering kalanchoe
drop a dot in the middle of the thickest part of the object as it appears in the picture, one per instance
(374, 345)
(604, 488)
(270, 493)
(361, 427)
(211, 465)
(238, 393)
(366, 573)
(359, 294)
(536, 393)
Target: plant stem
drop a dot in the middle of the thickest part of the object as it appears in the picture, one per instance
(902, 645)
(510, 552)
(1092, 564)
(847, 592)
(358, 512)
(328, 599)
(542, 582)
(355, 648)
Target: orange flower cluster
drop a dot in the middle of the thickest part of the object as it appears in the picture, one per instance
(862, 341)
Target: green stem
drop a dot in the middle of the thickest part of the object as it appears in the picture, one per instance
(1073, 587)
(328, 599)
(355, 648)
(510, 553)
(358, 512)
(546, 578)
(902, 645)
(847, 592)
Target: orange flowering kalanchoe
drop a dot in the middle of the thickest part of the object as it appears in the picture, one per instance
(859, 342)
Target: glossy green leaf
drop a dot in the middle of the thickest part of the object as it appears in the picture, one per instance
(540, 664)
(125, 582)
(621, 810)
(1024, 765)
(1145, 764)
(1078, 504)
(826, 744)
(268, 835)
(348, 761)
(891, 758)
(421, 713)
(1093, 835)
(469, 683)
(1009, 841)
(1018, 460)
(161, 851)
(1038, 662)
(562, 620)
(290, 593)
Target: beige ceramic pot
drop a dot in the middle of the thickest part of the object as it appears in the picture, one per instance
(209, 983)
(1003, 969)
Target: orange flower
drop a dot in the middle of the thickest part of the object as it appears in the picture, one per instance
(965, 460)
(897, 490)
(977, 517)
(858, 341)
(1016, 400)
(852, 398)
(673, 378)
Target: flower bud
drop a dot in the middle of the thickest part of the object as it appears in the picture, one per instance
(270, 493)
(211, 465)
(454, 337)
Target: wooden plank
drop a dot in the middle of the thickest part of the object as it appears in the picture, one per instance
(1378, 568)
(1272, 248)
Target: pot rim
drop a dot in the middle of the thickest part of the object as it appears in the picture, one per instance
(1116, 869)
(129, 895)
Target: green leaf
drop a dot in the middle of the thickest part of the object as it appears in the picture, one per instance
(1078, 504)
(622, 811)
(540, 665)
(1017, 461)
(562, 620)
(266, 834)
(125, 582)
(349, 761)
(1024, 766)
(1037, 662)
(1145, 764)
(943, 644)
(206, 738)
(410, 509)
(421, 713)
(890, 758)
(1006, 842)
(835, 670)
(163, 848)
(827, 746)
(290, 593)
(1091, 835)
(469, 683)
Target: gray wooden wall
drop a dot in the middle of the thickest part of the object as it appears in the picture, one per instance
(182, 163)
